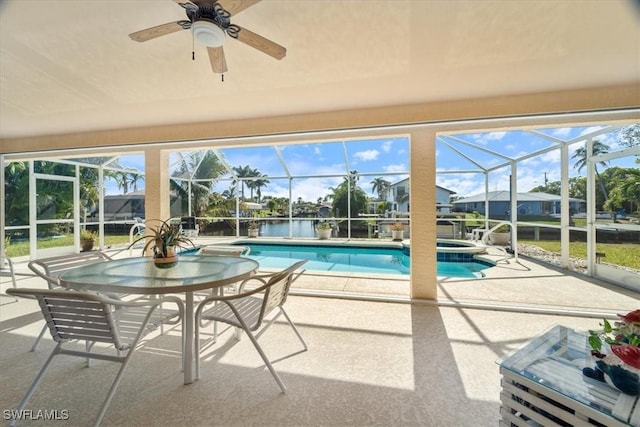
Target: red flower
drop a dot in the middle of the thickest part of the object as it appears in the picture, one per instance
(631, 317)
(628, 354)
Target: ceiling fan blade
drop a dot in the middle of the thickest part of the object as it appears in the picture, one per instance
(157, 31)
(264, 45)
(216, 57)
(236, 6)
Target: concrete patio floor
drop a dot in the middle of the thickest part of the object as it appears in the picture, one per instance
(375, 358)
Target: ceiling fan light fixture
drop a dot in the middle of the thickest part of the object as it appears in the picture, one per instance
(208, 33)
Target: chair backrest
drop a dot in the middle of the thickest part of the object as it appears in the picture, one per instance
(219, 250)
(74, 315)
(50, 268)
(278, 288)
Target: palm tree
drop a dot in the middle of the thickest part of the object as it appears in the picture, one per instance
(625, 188)
(581, 161)
(122, 179)
(135, 178)
(203, 169)
(380, 186)
(353, 177)
(262, 181)
(230, 193)
(242, 172)
(630, 187)
(16, 199)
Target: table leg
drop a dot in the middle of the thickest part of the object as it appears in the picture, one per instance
(188, 339)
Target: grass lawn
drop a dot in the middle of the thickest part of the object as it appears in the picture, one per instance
(622, 254)
(22, 248)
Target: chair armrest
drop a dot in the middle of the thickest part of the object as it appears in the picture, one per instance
(262, 279)
(140, 303)
(153, 304)
(239, 295)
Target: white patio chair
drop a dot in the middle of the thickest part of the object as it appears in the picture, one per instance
(248, 309)
(50, 268)
(12, 273)
(486, 242)
(73, 315)
(221, 250)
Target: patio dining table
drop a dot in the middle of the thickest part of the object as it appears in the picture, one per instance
(141, 276)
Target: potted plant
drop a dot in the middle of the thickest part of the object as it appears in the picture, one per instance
(324, 230)
(87, 239)
(616, 352)
(500, 236)
(163, 240)
(253, 229)
(397, 231)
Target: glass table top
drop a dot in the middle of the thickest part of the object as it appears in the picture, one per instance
(192, 272)
(555, 360)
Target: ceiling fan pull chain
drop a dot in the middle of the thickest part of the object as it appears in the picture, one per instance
(222, 77)
(193, 47)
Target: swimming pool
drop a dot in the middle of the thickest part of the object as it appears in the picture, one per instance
(353, 258)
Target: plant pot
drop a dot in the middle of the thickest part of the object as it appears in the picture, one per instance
(86, 244)
(616, 373)
(166, 262)
(500, 239)
(253, 232)
(324, 234)
(397, 234)
(169, 260)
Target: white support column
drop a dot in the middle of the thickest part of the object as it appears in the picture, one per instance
(514, 208)
(564, 206)
(290, 210)
(76, 211)
(237, 219)
(33, 227)
(101, 207)
(591, 208)
(486, 200)
(189, 196)
(3, 251)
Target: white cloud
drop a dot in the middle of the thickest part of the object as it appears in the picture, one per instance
(590, 129)
(386, 146)
(395, 168)
(485, 138)
(367, 155)
(561, 132)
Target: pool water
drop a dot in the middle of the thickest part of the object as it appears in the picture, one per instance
(354, 259)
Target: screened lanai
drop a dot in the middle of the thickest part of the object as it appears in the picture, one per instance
(282, 183)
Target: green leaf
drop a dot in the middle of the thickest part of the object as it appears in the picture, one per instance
(607, 326)
(594, 342)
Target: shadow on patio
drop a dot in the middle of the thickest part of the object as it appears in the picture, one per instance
(368, 363)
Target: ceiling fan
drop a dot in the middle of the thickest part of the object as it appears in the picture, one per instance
(210, 23)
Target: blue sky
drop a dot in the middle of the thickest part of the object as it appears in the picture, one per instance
(389, 158)
(514, 144)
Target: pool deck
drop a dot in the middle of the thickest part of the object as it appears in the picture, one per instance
(411, 357)
(526, 285)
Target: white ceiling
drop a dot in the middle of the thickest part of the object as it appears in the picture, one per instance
(69, 66)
